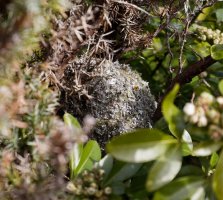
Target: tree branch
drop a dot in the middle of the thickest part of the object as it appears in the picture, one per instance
(183, 78)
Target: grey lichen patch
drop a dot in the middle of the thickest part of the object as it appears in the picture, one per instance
(115, 95)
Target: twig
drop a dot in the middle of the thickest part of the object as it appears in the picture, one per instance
(182, 46)
(134, 6)
(168, 43)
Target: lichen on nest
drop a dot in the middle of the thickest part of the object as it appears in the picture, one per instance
(112, 93)
(94, 84)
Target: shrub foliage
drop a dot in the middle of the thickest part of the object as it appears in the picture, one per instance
(79, 57)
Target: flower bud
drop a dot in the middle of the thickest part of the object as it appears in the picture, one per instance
(207, 97)
(220, 101)
(189, 109)
(202, 122)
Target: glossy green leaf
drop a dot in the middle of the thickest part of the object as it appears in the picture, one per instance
(71, 121)
(202, 48)
(199, 194)
(91, 153)
(122, 171)
(214, 160)
(219, 15)
(106, 164)
(77, 149)
(206, 148)
(204, 14)
(218, 179)
(75, 158)
(217, 51)
(118, 188)
(165, 169)
(168, 107)
(191, 170)
(172, 114)
(220, 87)
(187, 146)
(140, 146)
(139, 179)
(180, 189)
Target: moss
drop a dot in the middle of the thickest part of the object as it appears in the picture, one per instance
(38, 56)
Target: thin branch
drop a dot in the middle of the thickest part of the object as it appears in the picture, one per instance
(183, 78)
(134, 6)
(182, 46)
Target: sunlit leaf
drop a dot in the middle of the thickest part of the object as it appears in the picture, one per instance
(140, 146)
(214, 160)
(71, 121)
(182, 188)
(206, 148)
(202, 49)
(157, 44)
(199, 194)
(204, 14)
(75, 158)
(217, 51)
(172, 114)
(218, 179)
(220, 86)
(106, 164)
(219, 15)
(77, 149)
(165, 169)
(91, 153)
(187, 146)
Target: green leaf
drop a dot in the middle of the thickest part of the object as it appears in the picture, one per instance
(140, 146)
(91, 153)
(172, 114)
(218, 179)
(220, 87)
(199, 194)
(142, 194)
(217, 51)
(77, 149)
(118, 188)
(122, 171)
(206, 148)
(202, 48)
(71, 121)
(191, 170)
(75, 158)
(214, 160)
(219, 15)
(168, 108)
(106, 164)
(139, 179)
(165, 169)
(187, 146)
(182, 188)
(157, 45)
(204, 14)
